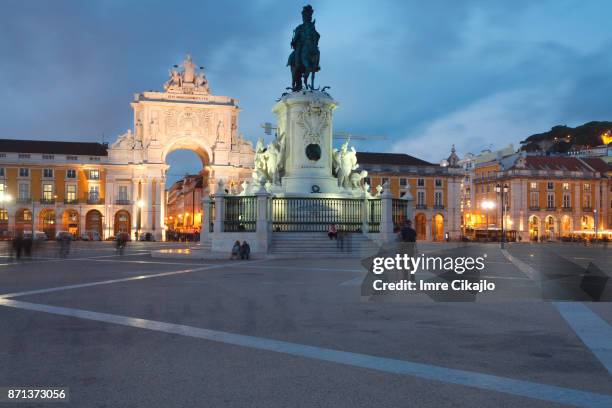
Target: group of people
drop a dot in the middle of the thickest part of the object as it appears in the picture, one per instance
(241, 251)
(21, 246)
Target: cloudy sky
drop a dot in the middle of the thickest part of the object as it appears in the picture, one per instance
(479, 74)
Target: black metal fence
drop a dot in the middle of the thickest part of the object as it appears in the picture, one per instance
(315, 214)
(374, 215)
(399, 211)
(240, 213)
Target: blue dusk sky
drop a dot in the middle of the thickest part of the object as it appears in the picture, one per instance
(479, 74)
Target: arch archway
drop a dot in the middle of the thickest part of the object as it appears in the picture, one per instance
(420, 226)
(534, 227)
(122, 222)
(46, 222)
(566, 226)
(550, 227)
(23, 220)
(70, 221)
(587, 222)
(93, 222)
(192, 143)
(437, 224)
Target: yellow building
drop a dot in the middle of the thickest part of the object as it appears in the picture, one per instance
(52, 186)
(435, 190)
(547, 197)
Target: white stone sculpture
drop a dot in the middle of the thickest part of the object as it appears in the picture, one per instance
(356, 177)
(272, 163)
(344, 162)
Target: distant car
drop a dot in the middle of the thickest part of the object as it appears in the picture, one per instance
(40, 236)
(90, 236)
(59, 235)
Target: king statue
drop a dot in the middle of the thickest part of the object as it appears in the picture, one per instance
(304, 59)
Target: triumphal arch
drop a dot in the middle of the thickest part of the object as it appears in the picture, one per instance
(185, 115)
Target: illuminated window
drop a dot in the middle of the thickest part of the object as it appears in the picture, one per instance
(94, 174)
(3, 215)
(47, 192)
(533, 185)
(587, 187)
(71, 193)
(566, 186)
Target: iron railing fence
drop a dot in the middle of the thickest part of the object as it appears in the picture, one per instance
(291, 214)
(374, 215)
(240, 213)
(399, 211)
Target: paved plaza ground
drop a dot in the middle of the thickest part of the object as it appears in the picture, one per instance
(135, 331)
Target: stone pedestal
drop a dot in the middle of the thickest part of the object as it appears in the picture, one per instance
(305, 137)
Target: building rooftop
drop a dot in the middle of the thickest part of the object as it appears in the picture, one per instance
(52, 147)
(553, 163)
(398, 159)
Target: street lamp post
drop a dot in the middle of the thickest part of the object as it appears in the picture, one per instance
(502, 191)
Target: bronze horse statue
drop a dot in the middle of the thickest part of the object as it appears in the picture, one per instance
(304, 59)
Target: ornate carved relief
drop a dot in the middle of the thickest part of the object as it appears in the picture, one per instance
(314, 120)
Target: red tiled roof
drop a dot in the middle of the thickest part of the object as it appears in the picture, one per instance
(598, 164)
(554, 163)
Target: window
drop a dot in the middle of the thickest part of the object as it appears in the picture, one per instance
(420, 198)
(72, 158)
(3, 215)
(94, 193)
(587, 187)
(566, 186)
(48, 173)
(550, 185)
(420, 182)
(94, 158)
(438, 183)
(2, 172)
(71, 173)
(534, 199)
(384, 180)
(24, 191)
(366, 180)
(438, 199)
(403, 182)
(71, 193)
(94, 174)
(533, 185)
(550, 200)
(47, 192)
(587, 200)
(48, 157)
(567, 203)
(24, 155)
(123, 193)
(24, 172)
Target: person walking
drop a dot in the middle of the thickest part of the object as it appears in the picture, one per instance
(408, 238)
(235, 250)
(245, 250)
